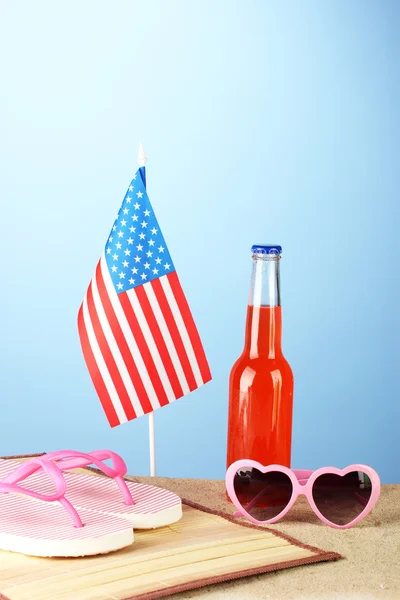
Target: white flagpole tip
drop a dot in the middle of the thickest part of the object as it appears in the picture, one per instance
(142, 158)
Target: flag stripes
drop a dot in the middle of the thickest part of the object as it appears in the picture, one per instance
(177, 315)
(174, 374)
(141, 347)
(135, 314)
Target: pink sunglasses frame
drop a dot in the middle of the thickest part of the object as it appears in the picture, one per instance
(302, 482)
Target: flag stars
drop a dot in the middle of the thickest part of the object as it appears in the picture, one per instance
(141, 255)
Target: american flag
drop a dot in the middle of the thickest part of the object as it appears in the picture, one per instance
(138, 336)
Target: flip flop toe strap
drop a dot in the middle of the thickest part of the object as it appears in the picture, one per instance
(72, 459)
(10, 485)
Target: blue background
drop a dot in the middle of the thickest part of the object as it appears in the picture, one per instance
(262, 121)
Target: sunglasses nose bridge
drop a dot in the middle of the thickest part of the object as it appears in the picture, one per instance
(301, 489)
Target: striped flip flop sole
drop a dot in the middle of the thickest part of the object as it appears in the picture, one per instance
(45, 529)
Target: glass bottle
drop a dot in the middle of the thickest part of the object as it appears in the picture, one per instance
(261, 380)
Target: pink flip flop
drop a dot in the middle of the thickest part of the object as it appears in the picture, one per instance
(144, 506)
(46, 524)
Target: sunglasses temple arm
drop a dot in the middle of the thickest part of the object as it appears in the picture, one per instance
(254, 501)
(360, 499)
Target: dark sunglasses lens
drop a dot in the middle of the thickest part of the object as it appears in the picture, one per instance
(262, 495)
(341, 499)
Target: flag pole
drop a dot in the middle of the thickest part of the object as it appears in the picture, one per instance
(142, 159)
(152, 442)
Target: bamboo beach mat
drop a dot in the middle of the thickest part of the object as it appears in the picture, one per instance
(204, 547)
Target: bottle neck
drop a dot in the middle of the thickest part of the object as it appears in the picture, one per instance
(264, 318)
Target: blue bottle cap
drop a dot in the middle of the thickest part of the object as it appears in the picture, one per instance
(266, 249)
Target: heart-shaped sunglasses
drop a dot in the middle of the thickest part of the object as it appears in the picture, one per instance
(339, 497)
